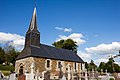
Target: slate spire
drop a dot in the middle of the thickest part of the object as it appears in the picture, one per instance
(33, 23)
(33, 35)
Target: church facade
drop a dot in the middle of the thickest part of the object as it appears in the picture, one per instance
(44, 57)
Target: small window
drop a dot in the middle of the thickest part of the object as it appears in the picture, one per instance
(81, 66)
(48, 63)
(59, 64)
(75, 65)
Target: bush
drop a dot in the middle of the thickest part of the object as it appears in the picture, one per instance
(7, 67)
(111, 78)
(6, 73)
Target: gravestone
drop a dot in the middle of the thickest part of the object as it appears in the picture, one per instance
(118, 75)
(63, 78)
(47, 75)
(12, 76)
(0, 74)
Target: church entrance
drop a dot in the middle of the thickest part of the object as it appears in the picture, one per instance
(21, 75)
(21, 70)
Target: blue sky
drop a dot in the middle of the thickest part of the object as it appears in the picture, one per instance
(95, 22)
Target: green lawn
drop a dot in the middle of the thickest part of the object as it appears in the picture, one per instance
(6, 73)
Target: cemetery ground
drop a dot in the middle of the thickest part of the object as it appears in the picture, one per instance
(93, 75)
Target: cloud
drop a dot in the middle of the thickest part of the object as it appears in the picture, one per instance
(67, 30)
(85, 56)
(58, 28)
(75, 36)
(12, 39)
(105, 49)
(63, 29)
(98, 61)
(96, 35)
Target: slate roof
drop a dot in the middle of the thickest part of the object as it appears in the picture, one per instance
(49, 52)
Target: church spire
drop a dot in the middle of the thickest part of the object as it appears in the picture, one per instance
(33, 23)
(33, 35)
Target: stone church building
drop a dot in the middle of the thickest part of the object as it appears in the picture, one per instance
(45, 57)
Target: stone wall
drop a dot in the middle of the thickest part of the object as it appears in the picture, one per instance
(39, 64)
(26, 63)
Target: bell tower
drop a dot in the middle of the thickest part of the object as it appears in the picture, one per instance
(33, 35)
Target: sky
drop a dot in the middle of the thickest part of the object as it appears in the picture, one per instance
(93, 24)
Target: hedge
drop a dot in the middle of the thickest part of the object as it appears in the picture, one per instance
(7, 67)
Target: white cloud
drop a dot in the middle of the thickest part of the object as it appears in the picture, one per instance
(63, 29)
(104, 49)
(85, 56)
(98, 61)
(96, 35)
(67, 30)
(58, 28)
(75, 36)
(13, 39)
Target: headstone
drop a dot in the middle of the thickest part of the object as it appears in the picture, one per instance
(86, 77)
(0, 74)
(92, 73)
(47, 75)
(12, 76)
(106, 71)
(101, 71)
(27, 76)
(63, 78)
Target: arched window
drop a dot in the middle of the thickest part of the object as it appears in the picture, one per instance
(48, 64)
(21, 70)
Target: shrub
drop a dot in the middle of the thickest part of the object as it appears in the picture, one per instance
(7, 67)
(6, 73)
(111, 78)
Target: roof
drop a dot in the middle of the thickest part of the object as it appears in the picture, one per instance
(49, 52)
(33, 23)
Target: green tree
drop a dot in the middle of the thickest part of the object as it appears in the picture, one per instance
(66, 44)
(11, 54)
(92, 65)
(110, 65)
(2, 55)
(116, 67)
(86, 65)
(102, 66)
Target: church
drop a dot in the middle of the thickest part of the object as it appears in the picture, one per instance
(45, 57)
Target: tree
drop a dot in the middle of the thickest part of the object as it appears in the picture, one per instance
(102, 66)
(117, 68)
(109, 65)
(66, 44)
(86, 65)
(11, 54)
(2, 55)
(91, 66)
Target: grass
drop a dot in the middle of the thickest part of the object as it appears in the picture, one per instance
(6, 73)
